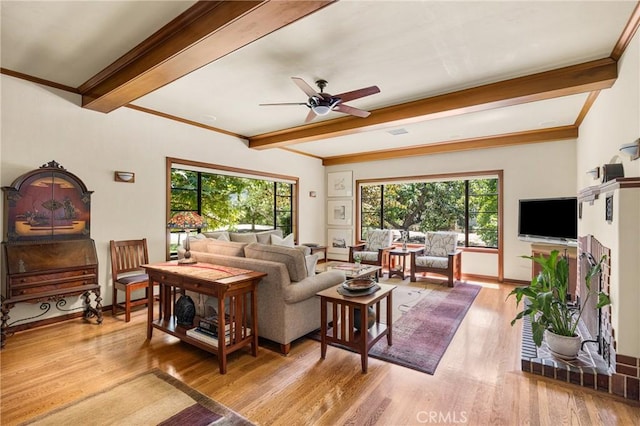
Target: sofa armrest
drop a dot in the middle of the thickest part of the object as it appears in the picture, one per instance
(302, 290)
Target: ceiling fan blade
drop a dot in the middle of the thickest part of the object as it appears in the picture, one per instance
(310, 116)
(304, 86)
(356, 94)
(285, 103)
(351, 110)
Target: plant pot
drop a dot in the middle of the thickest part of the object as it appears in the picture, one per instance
(563, 347)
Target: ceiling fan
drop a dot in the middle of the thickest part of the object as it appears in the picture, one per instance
(321, 103)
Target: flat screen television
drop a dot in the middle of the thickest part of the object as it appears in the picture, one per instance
(549, 219)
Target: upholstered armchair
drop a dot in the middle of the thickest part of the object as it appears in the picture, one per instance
(440, 255)
(372, 251)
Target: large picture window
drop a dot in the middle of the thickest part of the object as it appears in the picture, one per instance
(467, 205)
(232, 200)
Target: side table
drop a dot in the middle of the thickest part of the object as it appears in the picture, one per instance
(318, 249)
(343, 331)
(401, 267)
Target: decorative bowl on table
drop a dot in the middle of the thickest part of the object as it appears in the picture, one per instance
(359, 284)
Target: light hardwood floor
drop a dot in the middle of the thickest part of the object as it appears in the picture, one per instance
(478, 380)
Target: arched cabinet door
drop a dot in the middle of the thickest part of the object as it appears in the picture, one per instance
(48, 203)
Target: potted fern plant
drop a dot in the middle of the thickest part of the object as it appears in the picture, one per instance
(546, 304)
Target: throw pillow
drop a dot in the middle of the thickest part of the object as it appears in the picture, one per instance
(264, 237)
(311, 261)
(217, 235)
(243, 237)
(285, 242)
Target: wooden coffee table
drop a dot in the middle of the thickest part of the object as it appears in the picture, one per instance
(343, 331)
(351, 270)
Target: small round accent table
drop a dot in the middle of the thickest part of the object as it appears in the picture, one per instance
(401, 266)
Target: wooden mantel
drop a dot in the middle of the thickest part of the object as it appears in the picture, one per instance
(591, 193)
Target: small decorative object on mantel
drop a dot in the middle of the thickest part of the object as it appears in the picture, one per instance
(612, 171)
(185, 310)
(186, 221)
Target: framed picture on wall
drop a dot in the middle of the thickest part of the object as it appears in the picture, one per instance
(340, 184)
(339, 240)
(339, 212)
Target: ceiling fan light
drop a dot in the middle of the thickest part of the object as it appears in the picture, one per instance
(321, 109)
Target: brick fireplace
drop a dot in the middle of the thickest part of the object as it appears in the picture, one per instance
(610, 360)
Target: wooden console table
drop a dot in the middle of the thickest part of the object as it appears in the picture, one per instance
(235, 289)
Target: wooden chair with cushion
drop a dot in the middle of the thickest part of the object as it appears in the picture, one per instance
(128, 274)
(372, 252)
(440, 255)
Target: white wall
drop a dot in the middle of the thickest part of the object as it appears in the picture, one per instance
(530, 171)
(40, 124)
(614, 120)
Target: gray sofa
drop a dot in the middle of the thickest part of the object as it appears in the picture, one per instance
(287, 305)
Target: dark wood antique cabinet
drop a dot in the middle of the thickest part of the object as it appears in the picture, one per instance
(47, 249)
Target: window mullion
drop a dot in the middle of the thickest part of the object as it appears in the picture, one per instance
(466, 213)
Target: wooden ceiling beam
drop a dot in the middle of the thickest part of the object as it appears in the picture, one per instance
(585, 77)
(202, 34)
(508, 139)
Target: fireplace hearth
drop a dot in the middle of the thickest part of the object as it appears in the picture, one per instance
(589, 370)
(598, 366)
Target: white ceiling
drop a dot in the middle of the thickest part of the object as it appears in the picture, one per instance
(409, 49)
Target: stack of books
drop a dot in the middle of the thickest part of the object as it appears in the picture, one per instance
(207, 331)
(210, 324)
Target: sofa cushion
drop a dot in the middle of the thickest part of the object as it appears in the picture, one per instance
(243, 237)
(285, 242)
(196, 245)
(264, 237)
(218, 235)
(432, 261)
(226, 248)
(292, 258)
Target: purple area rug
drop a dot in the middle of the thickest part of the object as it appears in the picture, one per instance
(422, 335)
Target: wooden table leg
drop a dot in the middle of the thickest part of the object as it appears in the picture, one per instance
(389, 319)
(323, 327)
(222, 341)
(254, 325)
(150, 308)
(364, 334)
